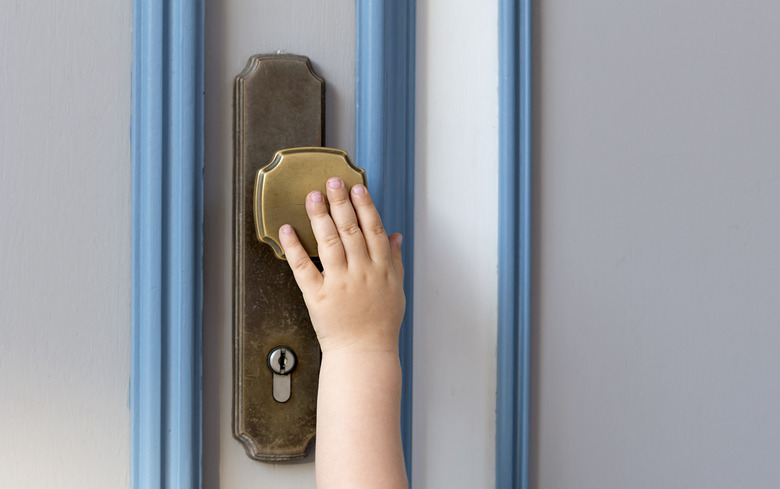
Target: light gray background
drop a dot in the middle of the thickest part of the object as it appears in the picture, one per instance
(657, 329)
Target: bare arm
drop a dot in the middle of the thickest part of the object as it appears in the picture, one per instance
(356, 306)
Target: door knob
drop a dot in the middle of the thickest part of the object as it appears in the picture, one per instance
(282, 186)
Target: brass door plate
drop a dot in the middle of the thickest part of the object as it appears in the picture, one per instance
(279, 103)
(282, 186)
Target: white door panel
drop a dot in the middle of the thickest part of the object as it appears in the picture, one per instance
(455, 245)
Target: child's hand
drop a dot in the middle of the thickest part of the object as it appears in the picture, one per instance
(357, 302)
(356, 305)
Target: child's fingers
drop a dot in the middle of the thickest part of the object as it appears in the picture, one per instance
(306, 274)
(395, 240)
(346, 221)
(329, 245)
(371, 224)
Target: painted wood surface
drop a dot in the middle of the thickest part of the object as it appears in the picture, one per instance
(64, 244)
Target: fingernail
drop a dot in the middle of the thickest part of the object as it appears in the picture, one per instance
(316, 196)
(359, 189)
(286, 229)
(400, 239)
(334, 183)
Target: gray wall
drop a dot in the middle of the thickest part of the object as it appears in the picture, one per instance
(656, 332)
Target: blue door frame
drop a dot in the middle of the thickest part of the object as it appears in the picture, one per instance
(167, 154)
(514, 245)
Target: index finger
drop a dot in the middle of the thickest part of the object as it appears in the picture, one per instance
(305, 272)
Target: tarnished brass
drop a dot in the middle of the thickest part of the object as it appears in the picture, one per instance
(278, 104)
(283, 185)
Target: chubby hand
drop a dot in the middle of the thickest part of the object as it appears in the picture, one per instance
(357, 302)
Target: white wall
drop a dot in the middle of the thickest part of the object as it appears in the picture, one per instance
(657, 329)
(64, 244)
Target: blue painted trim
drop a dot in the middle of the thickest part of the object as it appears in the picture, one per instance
(514, 253)
(385, 145)
(167, 154)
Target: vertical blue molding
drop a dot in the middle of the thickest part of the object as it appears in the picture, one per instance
(514, 253)
(385, 145)
(167, 155)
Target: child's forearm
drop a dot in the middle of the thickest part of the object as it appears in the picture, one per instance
(358, 417)
(356, 306)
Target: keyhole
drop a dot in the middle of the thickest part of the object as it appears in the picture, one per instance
(282, 360)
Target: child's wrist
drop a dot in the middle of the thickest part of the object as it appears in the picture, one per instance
(351, 362)
(351, 348)
(379, 344)
(366, 337)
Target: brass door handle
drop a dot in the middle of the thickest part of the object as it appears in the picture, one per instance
(282, 186)
(278, 159)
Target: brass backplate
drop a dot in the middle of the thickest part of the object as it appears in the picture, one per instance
(282, 186)
(279, 103)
